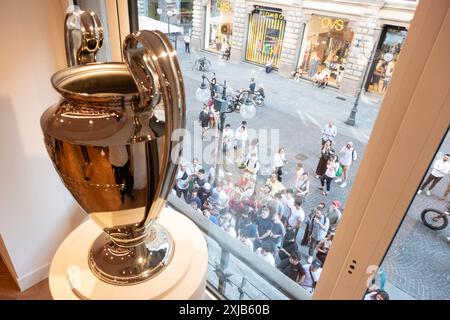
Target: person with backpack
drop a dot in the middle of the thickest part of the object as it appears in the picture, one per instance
(302, 186)
(292, 267)
(311, 275)
(252, 165)
(347, 156)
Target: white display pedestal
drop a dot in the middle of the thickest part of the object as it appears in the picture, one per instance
(184, 278)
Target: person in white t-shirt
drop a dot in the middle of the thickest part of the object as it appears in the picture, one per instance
(227, 139)
(265, 252)
(347, 156)
(187, 43)
(228, 228)
(182, 180)
(279, 161)
(288, 201)
(312, 275)
(194, 166)
(329, 132)
(243, 237)
(240, 143)
(440, 169)
(252, 165)
(296, 217)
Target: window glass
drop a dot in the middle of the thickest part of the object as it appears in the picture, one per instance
(270, 157)
(417, 264)
(172, 17)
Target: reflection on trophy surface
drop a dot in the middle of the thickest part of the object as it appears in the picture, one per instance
(113, 150)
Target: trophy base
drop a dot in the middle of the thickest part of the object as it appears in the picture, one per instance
(118, 265)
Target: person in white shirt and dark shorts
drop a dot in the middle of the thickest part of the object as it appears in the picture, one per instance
(329, 132)
(440, 169)
(347, 156)
(279, 161)
(187, 43)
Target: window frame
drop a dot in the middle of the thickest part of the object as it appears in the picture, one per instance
(378, 203)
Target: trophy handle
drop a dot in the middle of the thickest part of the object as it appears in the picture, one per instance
(83, 35)
(153, 64)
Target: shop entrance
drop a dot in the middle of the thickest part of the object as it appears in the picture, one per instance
(327, 47)
(219, 26)
(265, 36)
(382, 68)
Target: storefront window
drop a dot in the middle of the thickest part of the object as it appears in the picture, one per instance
(327, 47)
(389, 48)
(265, 36)
(219, 25)
(168, 16)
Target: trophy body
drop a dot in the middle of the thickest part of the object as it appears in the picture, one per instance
(109, 138)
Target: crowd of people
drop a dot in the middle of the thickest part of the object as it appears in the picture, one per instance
(266, 215)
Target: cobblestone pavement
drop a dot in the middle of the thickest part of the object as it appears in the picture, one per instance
(419, 259)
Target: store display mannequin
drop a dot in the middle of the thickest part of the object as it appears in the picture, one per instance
(388, 75)
(313, 66)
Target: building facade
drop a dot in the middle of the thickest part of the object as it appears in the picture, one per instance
(354, 42)
(158, 9)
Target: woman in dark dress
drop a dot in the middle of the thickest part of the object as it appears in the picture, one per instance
(325, 155)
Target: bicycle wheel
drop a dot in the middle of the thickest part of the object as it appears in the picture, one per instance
(434, 219)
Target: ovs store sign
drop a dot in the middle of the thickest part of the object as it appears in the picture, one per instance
(224, 6)
(329, 23)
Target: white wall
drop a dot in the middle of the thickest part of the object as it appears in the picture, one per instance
(36, 211)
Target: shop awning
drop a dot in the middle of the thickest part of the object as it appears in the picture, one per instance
(146, 23)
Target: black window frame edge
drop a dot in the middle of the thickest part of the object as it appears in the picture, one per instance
(133, 15)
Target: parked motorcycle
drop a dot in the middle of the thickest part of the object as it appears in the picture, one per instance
(256, 96)
(239, 99)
